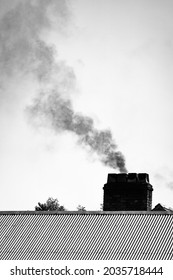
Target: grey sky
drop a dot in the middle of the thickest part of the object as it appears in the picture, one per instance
(116, 58)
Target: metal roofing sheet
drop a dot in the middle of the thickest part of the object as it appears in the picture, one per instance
(86, 237)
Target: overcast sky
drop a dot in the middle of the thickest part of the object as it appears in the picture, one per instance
(85, 90)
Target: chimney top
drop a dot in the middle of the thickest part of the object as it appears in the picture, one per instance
(128, 178)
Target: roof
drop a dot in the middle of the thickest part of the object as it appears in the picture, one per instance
(86, 235)
(160, 207)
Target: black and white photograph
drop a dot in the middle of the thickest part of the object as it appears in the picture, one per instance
(86, 134)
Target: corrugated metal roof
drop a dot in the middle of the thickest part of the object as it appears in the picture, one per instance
(86, 236)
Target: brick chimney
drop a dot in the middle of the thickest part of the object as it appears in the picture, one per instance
(127, 192)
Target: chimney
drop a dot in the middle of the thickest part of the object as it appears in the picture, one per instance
(127, 192)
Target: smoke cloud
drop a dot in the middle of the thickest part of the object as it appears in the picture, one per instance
(53, 110)
(21, 29)
(24, 49)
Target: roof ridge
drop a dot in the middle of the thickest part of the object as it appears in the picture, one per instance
(28, 212)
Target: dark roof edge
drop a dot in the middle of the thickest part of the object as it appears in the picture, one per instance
(85, 212)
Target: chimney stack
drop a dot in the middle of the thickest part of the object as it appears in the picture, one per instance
(127, 192)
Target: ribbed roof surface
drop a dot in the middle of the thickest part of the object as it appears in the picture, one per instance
(86, 236)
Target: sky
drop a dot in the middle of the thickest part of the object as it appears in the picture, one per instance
(85, 90)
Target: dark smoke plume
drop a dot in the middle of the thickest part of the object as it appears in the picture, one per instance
(24, 50)
(53, 110)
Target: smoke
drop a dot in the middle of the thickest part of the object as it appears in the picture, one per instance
(22, 26)
(23, 49)
(53, 110)
(170, 185)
